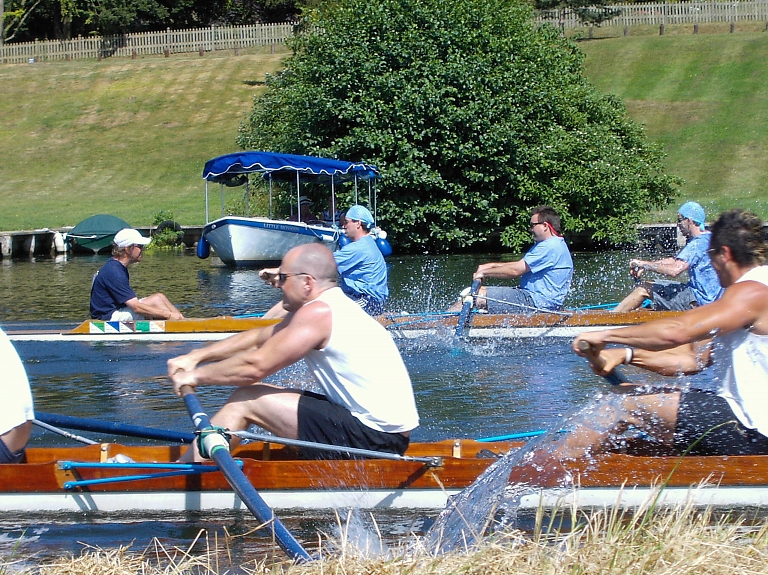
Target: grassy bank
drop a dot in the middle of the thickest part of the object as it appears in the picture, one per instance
(704, 98)
(130, 137)
(125, 137)
(674, 543)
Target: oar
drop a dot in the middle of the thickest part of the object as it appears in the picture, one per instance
(616, 377)
(218, 449)
(100, 426)
(466, 309)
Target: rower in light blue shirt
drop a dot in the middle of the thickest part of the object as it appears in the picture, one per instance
(703, 285)
(361, 264)
(545, 272)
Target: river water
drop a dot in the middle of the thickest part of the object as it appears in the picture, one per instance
(479, 389)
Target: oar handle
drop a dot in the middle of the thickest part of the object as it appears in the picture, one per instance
(615, 377)
(466, 309)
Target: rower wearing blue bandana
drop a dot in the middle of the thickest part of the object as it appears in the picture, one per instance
(361, 264)
(702, 287)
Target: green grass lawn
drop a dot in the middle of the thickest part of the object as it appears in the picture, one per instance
(120, 136)
(130, 137)
(705, 99)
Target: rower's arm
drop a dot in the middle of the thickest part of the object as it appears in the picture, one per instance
(502, 270)
(246, 340)
(671, 267)
(743, 305)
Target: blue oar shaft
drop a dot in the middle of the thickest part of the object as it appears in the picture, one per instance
(240, 484)
(466, 309)
(85, 424)
(510, 436)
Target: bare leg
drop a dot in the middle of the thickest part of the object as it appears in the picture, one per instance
(16, 439)
(159, 300)
(634, 300)
(601, 429)
(270, 407)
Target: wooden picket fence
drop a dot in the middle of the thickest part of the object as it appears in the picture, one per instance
(655, 13)
(148, 43)
(235, 37)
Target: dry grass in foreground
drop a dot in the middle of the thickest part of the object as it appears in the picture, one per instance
(660, 543)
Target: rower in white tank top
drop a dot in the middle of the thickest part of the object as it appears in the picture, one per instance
(741, 367)
(366, 375)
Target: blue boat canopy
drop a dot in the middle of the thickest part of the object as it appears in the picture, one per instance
(228, 169)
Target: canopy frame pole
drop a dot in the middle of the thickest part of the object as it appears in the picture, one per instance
(221, 186)
(247, 196)
(333, 202)
(356, 200)
(270, 195)
(207, 217)
(298, 198)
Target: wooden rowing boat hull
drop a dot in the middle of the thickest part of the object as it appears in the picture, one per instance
(285, 482)
(400, 326)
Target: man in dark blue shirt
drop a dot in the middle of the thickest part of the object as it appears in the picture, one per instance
(112, 298)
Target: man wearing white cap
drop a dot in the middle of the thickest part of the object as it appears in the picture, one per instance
(112, 298)
(361, 265)
(702, 288)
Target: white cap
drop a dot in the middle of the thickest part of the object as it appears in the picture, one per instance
(130, 237)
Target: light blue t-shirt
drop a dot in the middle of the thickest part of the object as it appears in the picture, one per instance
(703, 279)
(362, 268)
(551, 272)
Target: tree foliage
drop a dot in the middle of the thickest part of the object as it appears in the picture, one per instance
(472, 114)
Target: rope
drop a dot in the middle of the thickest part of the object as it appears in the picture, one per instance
(536, 309)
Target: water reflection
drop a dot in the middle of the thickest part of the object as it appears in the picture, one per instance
(58, 289)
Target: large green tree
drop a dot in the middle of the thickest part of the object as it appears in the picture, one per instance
(473, 115)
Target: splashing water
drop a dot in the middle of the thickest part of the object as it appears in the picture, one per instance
(354, 537)
(472, 513)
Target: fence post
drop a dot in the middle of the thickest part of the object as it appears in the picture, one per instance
(213, 38)
(661, 29)
(133, 54)
(591, 32)
(733, 27)
(626, 30)
(201, 51)
(696, 28)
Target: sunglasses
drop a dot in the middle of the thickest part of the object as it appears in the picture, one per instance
(284, 276)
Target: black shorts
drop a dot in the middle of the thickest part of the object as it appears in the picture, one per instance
(321, 421)
(700, 411)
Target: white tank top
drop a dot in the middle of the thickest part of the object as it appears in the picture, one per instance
(741, 367)
(14, 388)
(361, 368)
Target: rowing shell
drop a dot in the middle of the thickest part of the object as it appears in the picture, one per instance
(83, 479)
(402, 326)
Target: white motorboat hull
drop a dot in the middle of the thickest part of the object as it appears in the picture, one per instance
(240, 241)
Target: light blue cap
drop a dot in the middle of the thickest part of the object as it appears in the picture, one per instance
(693, 212)
(361, 214)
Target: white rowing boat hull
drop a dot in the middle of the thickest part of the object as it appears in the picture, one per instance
(161, 502)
